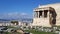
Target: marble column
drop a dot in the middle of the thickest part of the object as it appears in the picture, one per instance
(38, 14)
(48, 14)
(43, 14)
(35, 14)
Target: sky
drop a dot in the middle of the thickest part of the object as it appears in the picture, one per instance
(18, 8)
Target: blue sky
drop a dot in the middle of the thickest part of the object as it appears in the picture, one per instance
(13, 8)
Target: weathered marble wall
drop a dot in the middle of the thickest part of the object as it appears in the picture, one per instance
(45, 21)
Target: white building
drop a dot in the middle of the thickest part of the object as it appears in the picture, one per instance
(47, 15)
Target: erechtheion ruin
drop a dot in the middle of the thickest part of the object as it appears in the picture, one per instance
(47, 15)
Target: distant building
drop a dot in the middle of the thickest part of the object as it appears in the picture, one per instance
(47, 15)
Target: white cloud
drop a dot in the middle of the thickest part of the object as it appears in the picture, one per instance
(16, 15)
(13, 14)
(23, 14)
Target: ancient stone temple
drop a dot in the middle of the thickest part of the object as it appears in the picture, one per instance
(47, 15)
